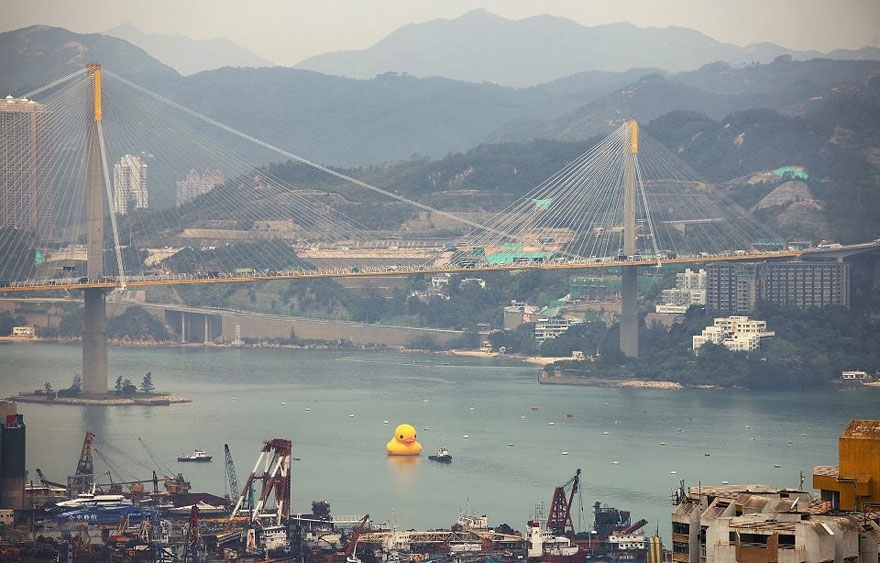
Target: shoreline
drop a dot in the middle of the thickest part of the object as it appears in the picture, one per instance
(153, 401)
(545, 379)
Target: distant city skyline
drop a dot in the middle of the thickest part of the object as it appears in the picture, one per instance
(287, 32)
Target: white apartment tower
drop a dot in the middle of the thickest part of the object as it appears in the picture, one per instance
(24, 200)
(129, 184)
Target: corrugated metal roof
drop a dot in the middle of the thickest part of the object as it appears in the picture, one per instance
(863, 429)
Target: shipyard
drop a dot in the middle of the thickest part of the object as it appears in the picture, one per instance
(93, 516)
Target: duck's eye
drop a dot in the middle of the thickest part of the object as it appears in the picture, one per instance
(401, 436)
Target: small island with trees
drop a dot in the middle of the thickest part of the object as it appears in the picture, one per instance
(124, 392)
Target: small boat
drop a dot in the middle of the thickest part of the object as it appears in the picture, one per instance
(197, 455)
(442, 455)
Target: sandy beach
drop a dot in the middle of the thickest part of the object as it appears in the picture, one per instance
(552, 379)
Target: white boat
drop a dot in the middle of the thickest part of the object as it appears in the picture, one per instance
(84, 500)
(543, 545)
(197, 455)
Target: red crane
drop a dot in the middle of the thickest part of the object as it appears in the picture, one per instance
(559, 519)
(83, 481)
(349, 554)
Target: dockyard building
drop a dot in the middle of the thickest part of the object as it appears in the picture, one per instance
(854, 483)
(761, 524)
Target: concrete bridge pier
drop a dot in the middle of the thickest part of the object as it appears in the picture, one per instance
(94, 358)
(629, 313)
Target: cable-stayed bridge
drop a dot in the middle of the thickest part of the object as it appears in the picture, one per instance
(111, 186)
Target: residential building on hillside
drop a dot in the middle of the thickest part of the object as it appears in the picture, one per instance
(517, 313)
(804, 284)
(130, 184)
(690, 289)
(730, 288)
(594, 289)
(736, 288)
(737, 333)
(548, 328)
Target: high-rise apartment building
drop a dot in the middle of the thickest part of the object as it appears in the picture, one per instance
(194, 184)
(736, 288)
(730, 288)
(804, 284)
(24, 199)
(129, 184)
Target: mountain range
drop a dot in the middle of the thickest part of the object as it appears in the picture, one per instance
(509, 52)
(820, 113)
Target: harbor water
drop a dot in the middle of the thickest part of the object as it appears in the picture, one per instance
(512, 439)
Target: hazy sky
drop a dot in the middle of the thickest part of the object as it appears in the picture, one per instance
(288, 31)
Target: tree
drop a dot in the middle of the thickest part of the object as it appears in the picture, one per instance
(118, 387)
(321, 509)
(147, 383)
(128, 388)
(48, 388)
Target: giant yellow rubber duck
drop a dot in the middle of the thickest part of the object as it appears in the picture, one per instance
(404, 441)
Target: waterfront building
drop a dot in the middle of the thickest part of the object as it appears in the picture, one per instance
(24, 331)
(130, 184)
(194, 185)
(548, 328)
(24, 199)
(736, 333)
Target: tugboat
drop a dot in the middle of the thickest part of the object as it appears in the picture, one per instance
(442, 455)
(197, 455)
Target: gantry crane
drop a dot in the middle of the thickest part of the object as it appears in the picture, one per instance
(275, 476)
(559, 520)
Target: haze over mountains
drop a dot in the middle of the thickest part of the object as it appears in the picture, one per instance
(188, 56)
(726, 119)
(482, 47)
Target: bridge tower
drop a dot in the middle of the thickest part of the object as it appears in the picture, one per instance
(94, 359)
(629, 316)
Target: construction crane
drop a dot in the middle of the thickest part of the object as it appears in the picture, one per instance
(275, 477)
(154, 458)
(231, 478)
(83, 481)
(559, 520)
(47, 482)
(350, 553)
